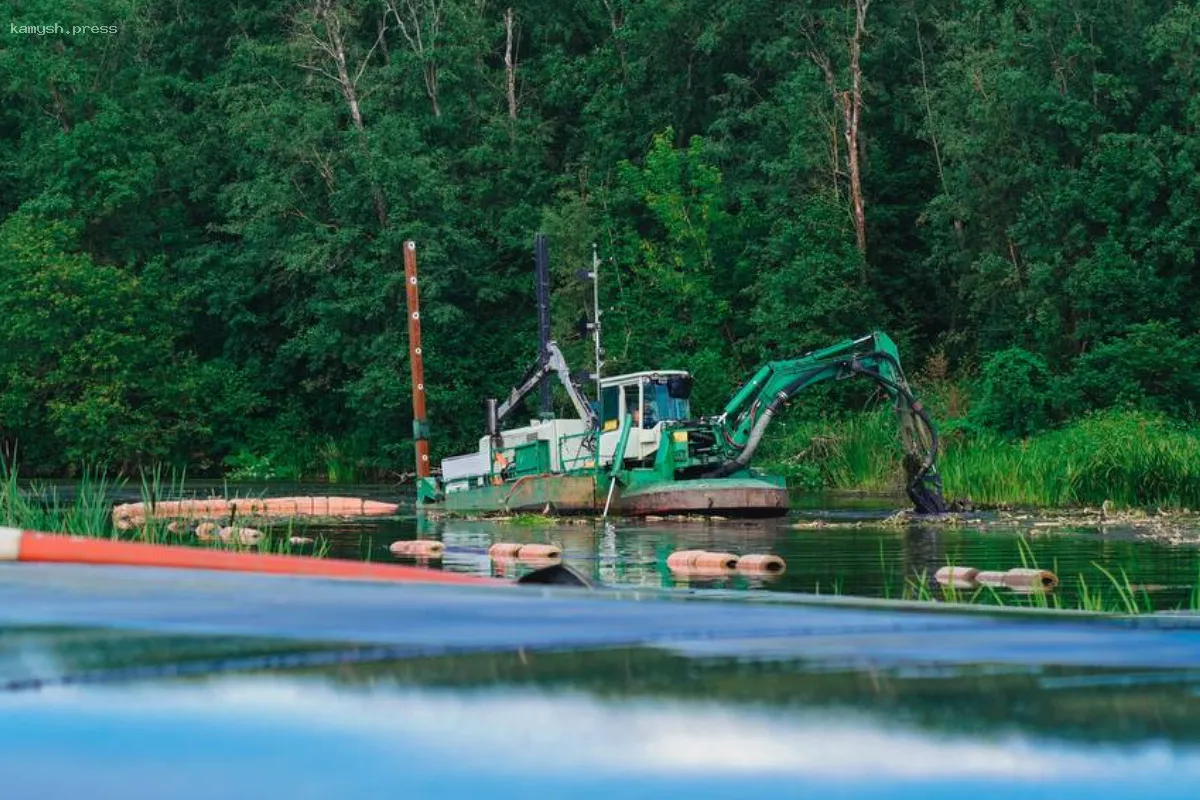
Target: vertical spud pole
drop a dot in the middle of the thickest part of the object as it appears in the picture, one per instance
(420, 421)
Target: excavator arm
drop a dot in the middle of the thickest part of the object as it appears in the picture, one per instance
(556, 364)
(744, 420)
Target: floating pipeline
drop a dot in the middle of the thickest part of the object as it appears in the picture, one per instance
(246, 536)
(1031, 580)
(539, 552)
(515, 551)
(682, 560)
(130, 515)
(208, 531)
(34, 546)
(702, 563)
(723, 561)
(990, 577)
(761, 564)
(1018, 579)
(504, 550)
(418, 548)
(957, 577)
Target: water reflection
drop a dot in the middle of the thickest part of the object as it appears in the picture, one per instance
(865, 558)
(862, 556)
(614, 723)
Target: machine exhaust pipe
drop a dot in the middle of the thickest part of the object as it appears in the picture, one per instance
(492, 422)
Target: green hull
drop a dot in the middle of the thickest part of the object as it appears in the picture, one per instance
(535, 494)
(757, 496)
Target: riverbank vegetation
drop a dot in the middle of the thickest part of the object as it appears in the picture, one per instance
(1125, 458)
(86, 509)
(202, 218)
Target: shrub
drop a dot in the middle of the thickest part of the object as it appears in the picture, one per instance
(1015, 393)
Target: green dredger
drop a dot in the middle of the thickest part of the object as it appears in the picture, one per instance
(639, 451)
(636, 449)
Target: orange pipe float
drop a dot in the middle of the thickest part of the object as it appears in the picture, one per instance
(133, 514)
(957, 577)
(715, 561)
(683, 560)
(247, 536)
(33, 546)
(421, 548)
(992, 578)
(504, 550)
(761, 563)
(539, 552)
(207, 531)
(1030, 580)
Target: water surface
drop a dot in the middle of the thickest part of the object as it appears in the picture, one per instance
(858, 554)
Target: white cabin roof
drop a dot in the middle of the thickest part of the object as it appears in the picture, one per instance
(637, 377)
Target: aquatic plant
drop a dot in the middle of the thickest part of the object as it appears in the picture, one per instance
(87, 511)
(1131, 459)
(41, 506)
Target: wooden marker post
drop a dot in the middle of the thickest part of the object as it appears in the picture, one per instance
(420, 421)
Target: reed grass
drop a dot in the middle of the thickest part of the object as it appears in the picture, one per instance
(41, 507)
(1109, 591)
(1131, 459)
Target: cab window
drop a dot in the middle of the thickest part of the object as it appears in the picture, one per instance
(610, 411)
(663, 406)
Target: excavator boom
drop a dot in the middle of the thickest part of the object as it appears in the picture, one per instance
(741, 425)
(557, 364)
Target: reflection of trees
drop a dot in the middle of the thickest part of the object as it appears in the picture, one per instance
(1105, 706)
(1079, 704)
(52, 653)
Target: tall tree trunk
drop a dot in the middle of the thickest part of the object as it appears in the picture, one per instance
(510, 64)
(420, 23)
(850, 103)
(852, 109)
(327, 38)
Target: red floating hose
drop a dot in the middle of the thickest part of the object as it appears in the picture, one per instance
(32, 546)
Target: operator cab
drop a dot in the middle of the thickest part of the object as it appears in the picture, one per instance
(650, 399)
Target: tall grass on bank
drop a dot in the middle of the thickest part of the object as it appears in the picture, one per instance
(42, 508)
(1129, 458)
(1106, 590)
(87, 511)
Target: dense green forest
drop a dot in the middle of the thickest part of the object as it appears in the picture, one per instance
(202, 213)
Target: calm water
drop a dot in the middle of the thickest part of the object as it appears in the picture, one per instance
(856, 555)
(145, 712)
(623, 722)
(865, 557)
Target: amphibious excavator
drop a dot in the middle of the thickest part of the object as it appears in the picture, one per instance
(638, 450)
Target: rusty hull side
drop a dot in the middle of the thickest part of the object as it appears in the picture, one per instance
(729, 497)
(562, 494)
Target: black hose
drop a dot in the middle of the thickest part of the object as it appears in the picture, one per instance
(924, 491)
(925, 504)
(781, 397)
(917, 407)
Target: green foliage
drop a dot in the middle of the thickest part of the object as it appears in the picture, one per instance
(1015, 393)
(1128, 458)
(861, 452)
(684, 257)
(201, 223)
(1132, 459)
(88, 366)
(1154, 366)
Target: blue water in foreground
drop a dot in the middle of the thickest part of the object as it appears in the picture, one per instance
(123, 683)
(251, 736)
